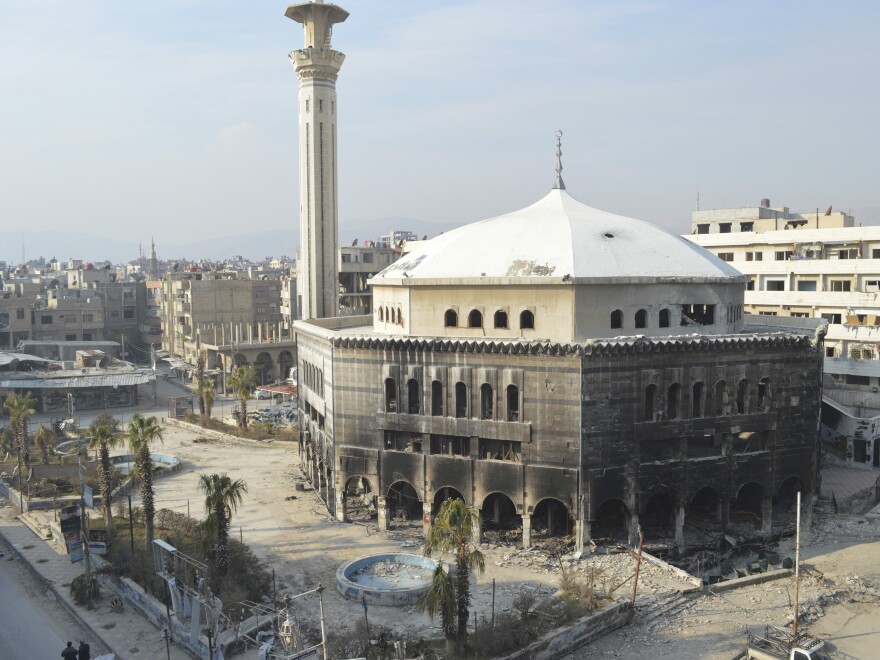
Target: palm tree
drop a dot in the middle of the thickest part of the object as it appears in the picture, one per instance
(141, 432)
(242, 380)
(200, 382)
(102, 439)
(7, 442)
(222, 497)
(440, 599)
(206, 397)
(452, 531)
(44, 439)
(20, 407)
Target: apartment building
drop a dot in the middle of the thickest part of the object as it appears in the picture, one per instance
(356, 266)
(815, 265)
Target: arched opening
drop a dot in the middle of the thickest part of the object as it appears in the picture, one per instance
(381, 315)
(658, 518)
(450, 319)
(387, 315)
(475, 319)
(673, 394)
(390, 395)
(403, 503)
(461, 407)
(650, 397)
(551, 518)
(487, 402)
(240, 360)
(747, 507)
(742, 397)
(285, 364)
(526, 320)
(501, 319)
(702, 517)
(443, 494)
(512, 403)
(697, 400)
(413, 397)
(641, 319)
(360, 500)
(399, 316)
(720, 398)
(764, 394)
(664, 320)
(501, 522)
(616, 319)
(785, 500)
(612, 522)
(263, 368)
(437, 398)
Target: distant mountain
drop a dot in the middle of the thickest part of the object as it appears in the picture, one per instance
(253, 245)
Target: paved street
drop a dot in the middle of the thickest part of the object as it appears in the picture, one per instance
(32, 623)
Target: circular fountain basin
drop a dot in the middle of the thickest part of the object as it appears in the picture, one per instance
(392, 579)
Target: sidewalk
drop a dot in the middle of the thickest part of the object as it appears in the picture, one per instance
(127, 634)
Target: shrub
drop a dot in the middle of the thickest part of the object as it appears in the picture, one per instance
(79, 591)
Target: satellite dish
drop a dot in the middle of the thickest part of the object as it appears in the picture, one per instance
(354, 243)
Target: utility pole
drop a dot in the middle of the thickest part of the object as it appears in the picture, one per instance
(83, 524)
(797, 566)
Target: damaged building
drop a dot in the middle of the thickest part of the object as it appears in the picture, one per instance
(564, 371)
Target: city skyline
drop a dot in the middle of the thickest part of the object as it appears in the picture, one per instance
(169, 120)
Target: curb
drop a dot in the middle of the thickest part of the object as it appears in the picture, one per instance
(70, 607)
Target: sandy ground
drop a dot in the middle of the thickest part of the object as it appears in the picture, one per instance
(305, 546)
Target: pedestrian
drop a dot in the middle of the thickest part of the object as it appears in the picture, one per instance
(69, 653)
(85, 652)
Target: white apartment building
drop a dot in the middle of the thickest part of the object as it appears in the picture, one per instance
(815, 265)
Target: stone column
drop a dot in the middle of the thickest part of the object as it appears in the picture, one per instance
(341, 508)
(478, 528)
(634, 530)
(766, 516)
(527, 530)
(382, 511)
(426, 518)
(724, 512)
(679, 528)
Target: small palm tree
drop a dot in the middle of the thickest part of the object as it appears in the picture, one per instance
(200, 383)
(222, 497)
(7, 442)
(206, 396)
(141, 432)
(20, 407)
(452, 531)
(44, 439)
(103, 439)
(243, 379)
(440, 599)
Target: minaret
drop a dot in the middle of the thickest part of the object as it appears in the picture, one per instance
(153, 272)
(317, 66)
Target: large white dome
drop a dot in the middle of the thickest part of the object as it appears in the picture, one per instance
(560, 239)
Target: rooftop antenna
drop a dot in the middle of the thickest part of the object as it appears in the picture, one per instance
(698, 200)
(560, 184)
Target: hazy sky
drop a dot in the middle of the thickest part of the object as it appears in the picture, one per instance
(178, 117)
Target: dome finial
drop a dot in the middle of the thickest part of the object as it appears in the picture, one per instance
(560, 184)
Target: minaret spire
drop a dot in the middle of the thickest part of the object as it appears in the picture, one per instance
(317, 66)
(560, 184)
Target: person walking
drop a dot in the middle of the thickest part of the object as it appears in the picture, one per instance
(85, 652)
(69, 653)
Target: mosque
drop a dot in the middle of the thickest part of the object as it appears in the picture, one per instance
(564, 370)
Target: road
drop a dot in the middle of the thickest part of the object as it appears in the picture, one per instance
(32, 623)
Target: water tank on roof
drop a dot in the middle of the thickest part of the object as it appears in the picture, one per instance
(765, 203)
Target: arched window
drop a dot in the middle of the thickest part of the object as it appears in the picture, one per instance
(742, 397)
(413, 397)
(390, 395)
(764, 394)
(672, 396)
(720, 398)
(381, 314)
(387, 315)
(641, 319)
(399, 317)
(697, 401)
(475, 319)
(487, 402)
(650, 397)
(664, 318)
(616, 319)
(512, 403)
(461, 406)
(501, 319)
(526, 320)
(450, 318)
(437, 398)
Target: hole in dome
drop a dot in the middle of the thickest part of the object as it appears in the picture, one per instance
(608, 234)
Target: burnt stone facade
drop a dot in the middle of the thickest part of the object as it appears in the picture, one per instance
(678, 437)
